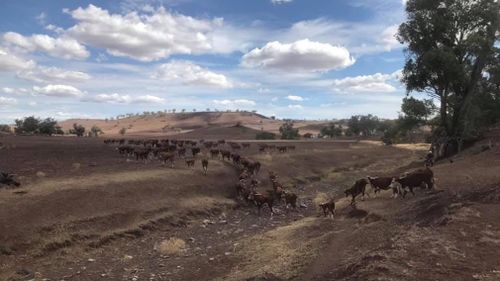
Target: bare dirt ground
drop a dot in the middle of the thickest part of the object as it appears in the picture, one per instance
(85, 213)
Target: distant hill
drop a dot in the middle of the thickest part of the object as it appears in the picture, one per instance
(189, 123)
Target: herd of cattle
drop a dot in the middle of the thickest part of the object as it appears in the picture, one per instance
(168, 151)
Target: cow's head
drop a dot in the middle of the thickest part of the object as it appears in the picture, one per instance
(8, 179)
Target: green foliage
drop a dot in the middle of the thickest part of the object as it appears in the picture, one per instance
(288, 132)
(95, 131)
(365, 125)
(34, 125)
(27, 125)
(265, 136)
(449, 46)
(48, 127)
(77, 130)
(331, 130)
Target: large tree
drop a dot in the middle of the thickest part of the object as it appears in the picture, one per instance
(449, 44)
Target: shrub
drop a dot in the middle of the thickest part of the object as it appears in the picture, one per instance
(265, 136)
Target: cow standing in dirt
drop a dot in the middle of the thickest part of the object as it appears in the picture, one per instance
(414, 179)
(358, 188)
(8, 179)
(328, 207)
(382, 183)
(204, 164)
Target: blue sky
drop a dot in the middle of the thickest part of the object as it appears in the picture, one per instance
(288, 58)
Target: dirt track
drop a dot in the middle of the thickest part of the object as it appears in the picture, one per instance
(106, 218)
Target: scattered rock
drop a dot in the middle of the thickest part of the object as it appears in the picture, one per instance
(40, 174)
(91, 260)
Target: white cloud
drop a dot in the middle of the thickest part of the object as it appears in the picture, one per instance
(4, 102)
(41, 18)
(145, 37)
(10, 62)
(278, 2)
(303, 55)
(295, 98)
(388, 37)
(188, 73)
(237, 102)
(58, 91)
(53, 74)
(124, 99)
(15, 91)
(366, 83)
(61, 47)
(295, 106)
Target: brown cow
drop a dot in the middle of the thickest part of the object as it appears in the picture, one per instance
(167, 156)
(328, 207)
(260, 199)
(415, 179)
(8, 179)
(290, 199)
(204, 164)
(358, 188)
(382, 183)
(190, 162)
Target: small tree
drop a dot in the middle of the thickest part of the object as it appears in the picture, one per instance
(95, 131)
(123, 131)
(288, 132)
(308, 136)
(77, 130)
(332, 130)
(28, 125)
(47, 127)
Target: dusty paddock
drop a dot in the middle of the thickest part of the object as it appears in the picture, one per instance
(91, 214)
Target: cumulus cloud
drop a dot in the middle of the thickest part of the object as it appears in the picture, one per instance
(188, 73)
(4, 102)
(366, 83)
(124, 99)
(295, 98)
(61, 47)
(57, 90)
(145, 37)
(303, 55)
(278, 2)
(237, 102)
(53, 74)
(11, 62)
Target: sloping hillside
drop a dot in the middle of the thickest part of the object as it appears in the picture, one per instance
(180, 123)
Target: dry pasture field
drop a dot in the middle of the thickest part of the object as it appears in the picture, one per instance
(83, 212)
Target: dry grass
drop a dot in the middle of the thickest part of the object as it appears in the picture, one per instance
(172, 246)
(283, 251)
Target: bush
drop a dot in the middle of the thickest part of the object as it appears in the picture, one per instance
(123, 131)
(33, 125)
(288, 132)
(265, 136)
(308, 136)
(5, 128)
(77, 130)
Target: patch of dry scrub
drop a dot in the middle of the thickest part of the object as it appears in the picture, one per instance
(172, 246)
(283, 252)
